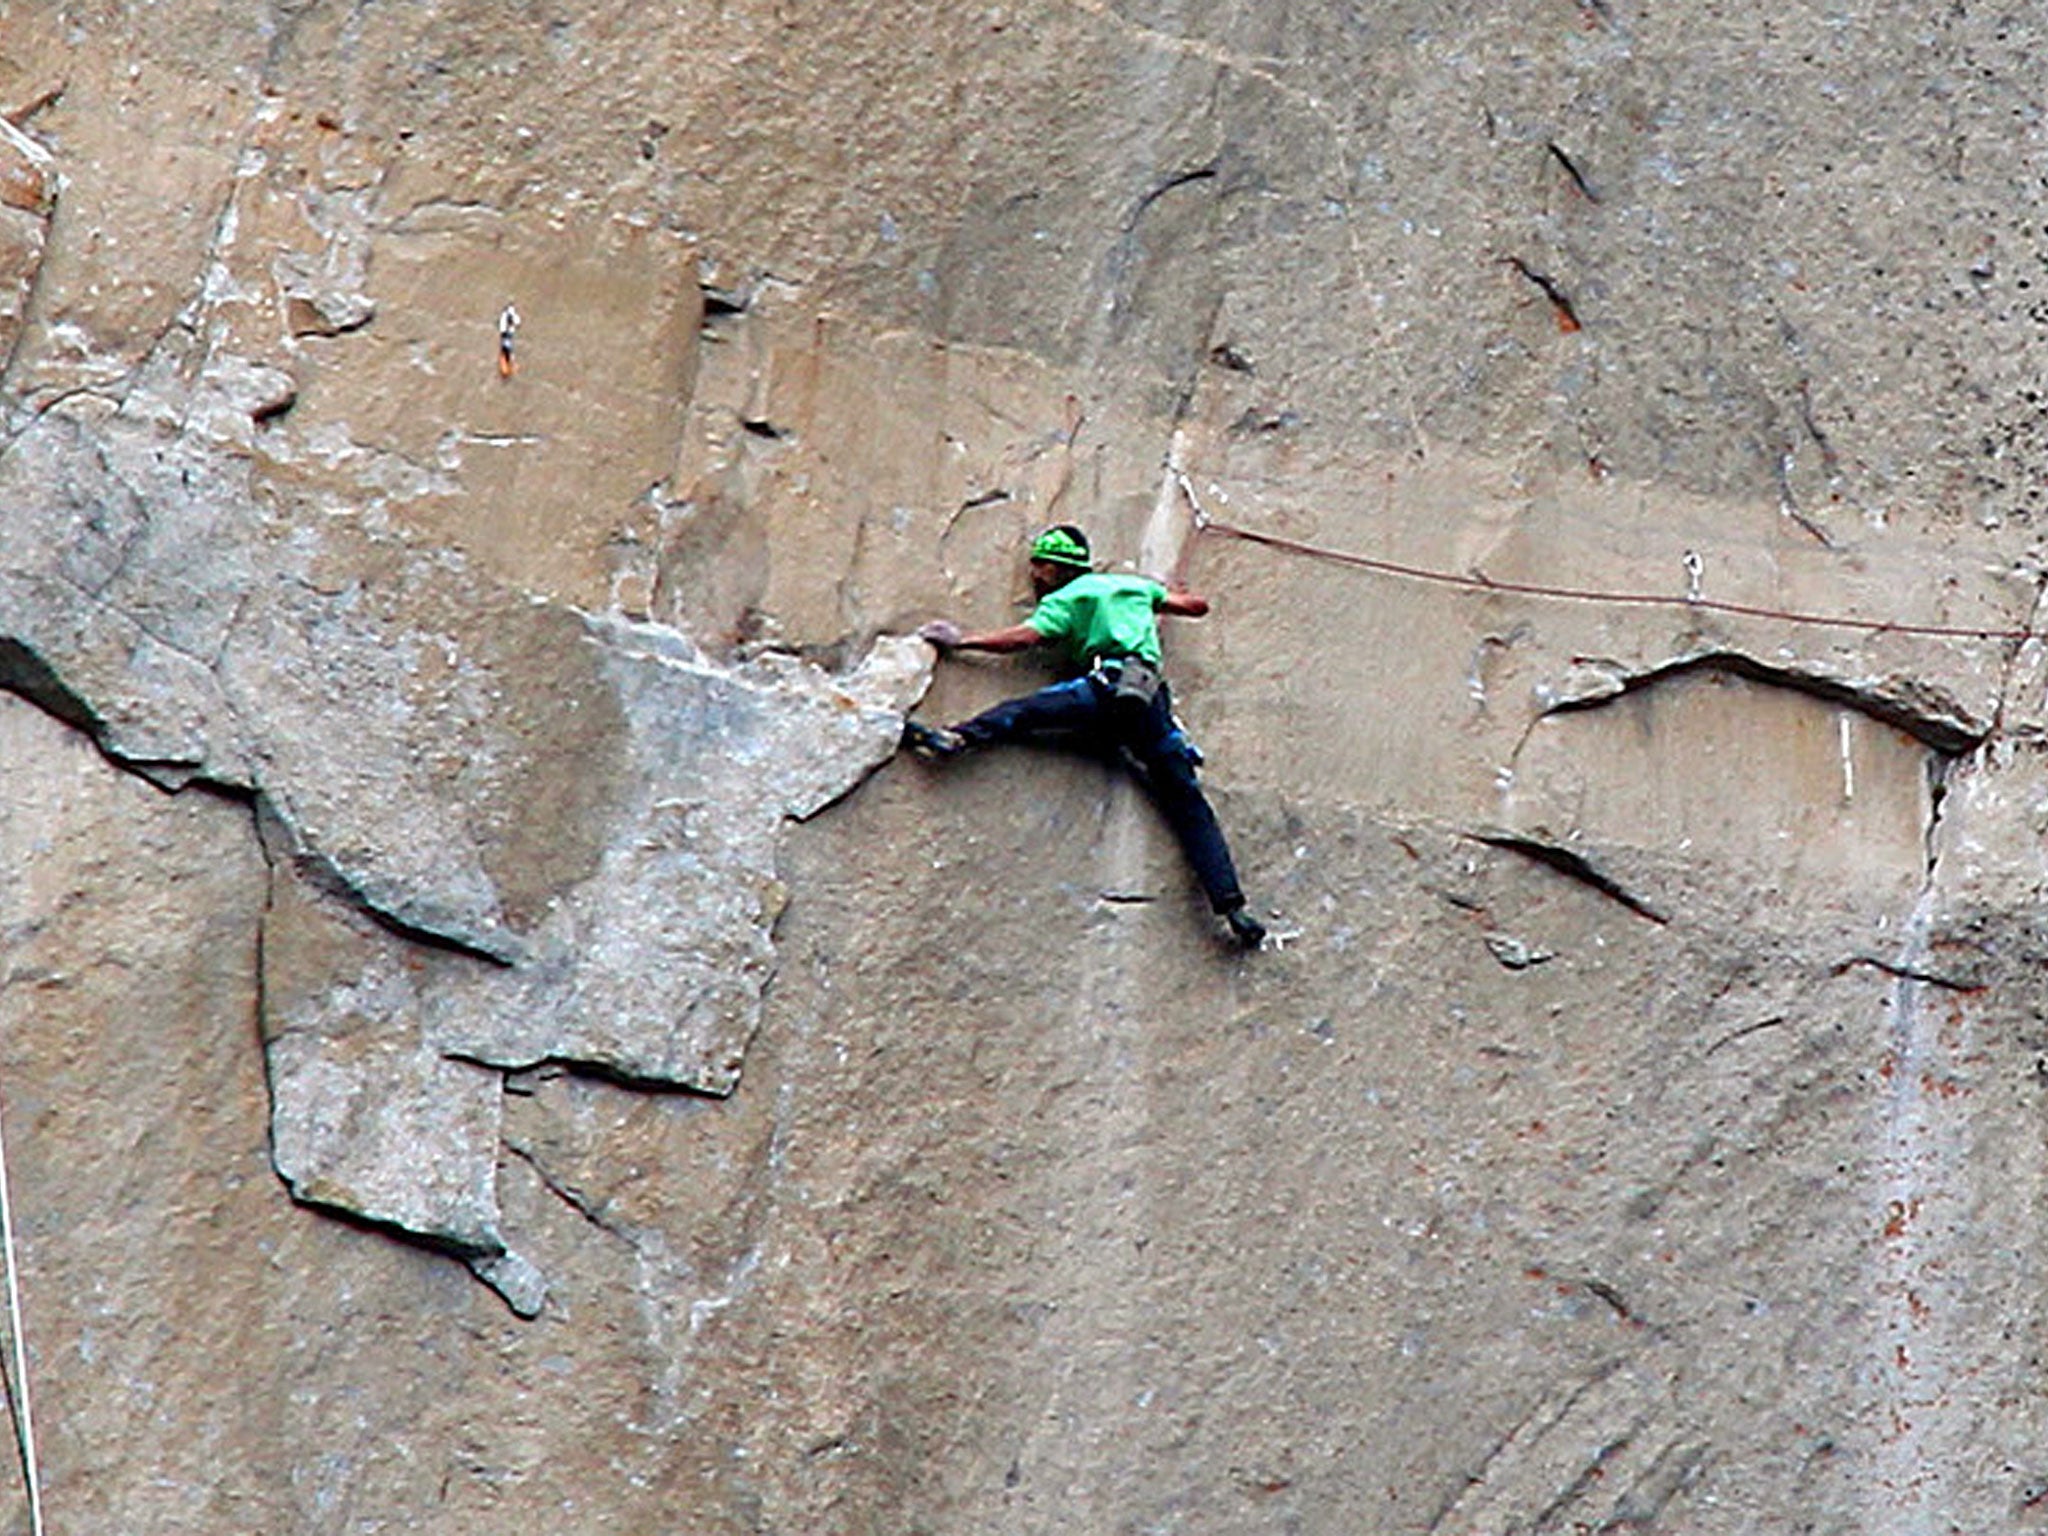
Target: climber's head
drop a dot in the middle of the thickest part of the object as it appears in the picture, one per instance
(1058, 555)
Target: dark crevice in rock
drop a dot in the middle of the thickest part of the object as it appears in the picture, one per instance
(1590, 1476)
(1126, 253)
(570, 1196)
(28, 677)
(1937, 798)
(432, 1242)
(1229, 358)
(1745, 1032)
(1206, 172)
(1545, 1413)
(1560, 301)
(281, 840)
(1255, 421)
(1573, 865)
(39, 102)
(596, 1071)
(1788, 505)
(1922, 713)
(812, 813)
(1830, 460)
(317, 315)
(1611, 1298)
(24, 673)
(267, 411)
(1676, 1468)
(176, 777)
(504, 956)
(1578, 177)
(1907, 973)
(721, 302)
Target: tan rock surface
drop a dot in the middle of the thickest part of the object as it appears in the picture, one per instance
(1637, 1123)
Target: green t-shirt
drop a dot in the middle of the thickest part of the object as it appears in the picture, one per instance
(1102, 614)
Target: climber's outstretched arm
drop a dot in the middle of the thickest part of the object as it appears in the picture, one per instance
(1184, 605)
(948, 636)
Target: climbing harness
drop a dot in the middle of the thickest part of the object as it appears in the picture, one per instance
(24, 1421)
(1132, 681)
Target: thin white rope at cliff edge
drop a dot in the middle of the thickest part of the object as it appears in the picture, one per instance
(24, 1421)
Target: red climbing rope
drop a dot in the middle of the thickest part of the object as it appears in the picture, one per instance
(1481, 583)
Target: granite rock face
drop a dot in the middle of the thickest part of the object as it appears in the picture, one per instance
(28, 190)
(465, 478)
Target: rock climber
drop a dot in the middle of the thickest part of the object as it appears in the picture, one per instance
(1106, 625)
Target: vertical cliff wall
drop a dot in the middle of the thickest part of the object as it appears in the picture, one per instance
(466, 474)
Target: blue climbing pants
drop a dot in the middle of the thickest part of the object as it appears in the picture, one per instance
(1084, 714)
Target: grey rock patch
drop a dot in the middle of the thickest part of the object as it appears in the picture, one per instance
(564, 826)
(517, 1279)
(1517, 954)
(653, 969)
(364, 1116)
(373, 1124)
(384, 1056)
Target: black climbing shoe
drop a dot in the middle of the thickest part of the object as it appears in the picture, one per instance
(932, 743)
(1245, 930)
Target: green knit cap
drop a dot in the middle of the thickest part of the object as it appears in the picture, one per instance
(1064, 545)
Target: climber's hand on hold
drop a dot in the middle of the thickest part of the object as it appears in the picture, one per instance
(941, 633)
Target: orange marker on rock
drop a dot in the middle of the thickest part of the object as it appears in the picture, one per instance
(508, 331)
